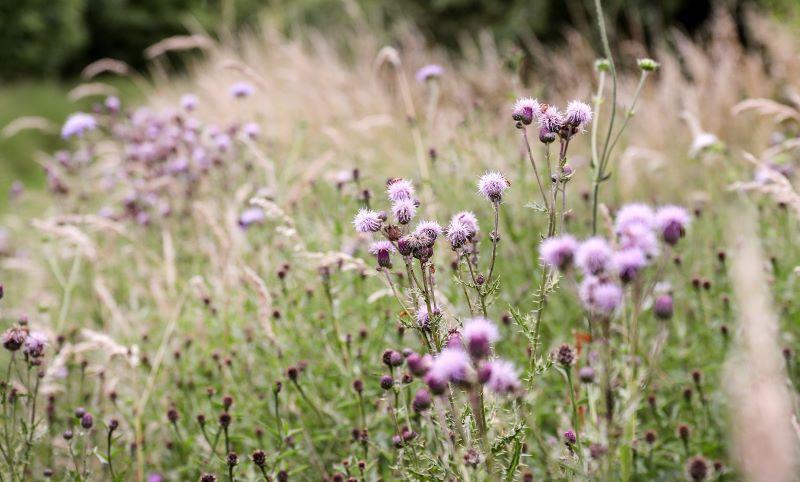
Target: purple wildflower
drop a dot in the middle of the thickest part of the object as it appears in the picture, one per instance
(551, 120)
(525, 110)
(252, 130)
(367, 221)
(400, 189)
(422, 400)
(35, 344)
(457, 233)
(598, 296)
(452, 364)
(635, 213)
(578, 114)
(241, 90)
(628, 263)
(558, 252)
(419, 364)
(429, 230)
(491, 186)
(672, 222)
(428, 72)
(112, 103)
(663, 308)
(189, 102)
(479, 334)
(469, 220)
(503, 379)
(382, 250)
(404, 210)
(13, 338)
(77, 125)
(250, 216)
(424, 317)
(593, 256)
(638, 236)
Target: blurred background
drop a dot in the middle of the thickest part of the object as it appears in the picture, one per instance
(46, 43)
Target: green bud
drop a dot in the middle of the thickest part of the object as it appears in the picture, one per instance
(602, 65)
(648, 65)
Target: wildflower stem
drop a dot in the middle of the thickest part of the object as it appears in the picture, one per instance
(628, 113)
(535, 170)
(463, 286)
(575, 419)
(495, 239)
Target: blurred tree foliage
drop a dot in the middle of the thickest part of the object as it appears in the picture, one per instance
(46, 37)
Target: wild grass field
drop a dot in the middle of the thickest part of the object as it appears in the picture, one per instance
(316, 258)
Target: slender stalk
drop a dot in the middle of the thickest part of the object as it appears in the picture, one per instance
(535, 170)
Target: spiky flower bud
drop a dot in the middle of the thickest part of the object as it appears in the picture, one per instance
(259, 457)
(648, 65)
(565, 355)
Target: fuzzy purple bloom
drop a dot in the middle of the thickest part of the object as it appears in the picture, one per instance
(77, 125)
(663, 308)
(593, 256)
(424, 317)
(250, 216)
(491, 186)
(558, 252)
(628, 263)
(252, 130)
(241, 90)
(640, 237)
(189, 102)
(422, 400)
(418, 364)
(453, 365)
(503, 379)
(479, 334)
(469, 220)
(404, 210)
(428, 72)
(382, 250)
(428, 230)
(551, 120)
(112, 103)
(578, 114)
(672, 222)
(525, 110)
(635, 213)
(600, 297)
(367, 221)
(400, 189)
(457, 233)
(35, 344)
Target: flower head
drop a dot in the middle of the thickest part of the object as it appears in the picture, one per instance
(404, 210)
(418, 364)
(13, 338)
(428, 230)
(503, 379)
(35, 344)
(640, 237)
(400, 189)
(240, 90)
(671, 222)
(428, 72)
(558, 252)
(479, 334)
(593, 256)
(491, 186)
(424, 316)
(367, 221)
(525, 110)
(628, 263)
(662, 307)
(635, 213)
(551, 120)
(112, 103)
(189, 102)
(598, 296)
(469, 220)
(453, 365)
(565, 355)
(250, 216)
(578, 114)
(697, 468)
(457, 234)
(252, 130)
(77, 125)
(382, 250)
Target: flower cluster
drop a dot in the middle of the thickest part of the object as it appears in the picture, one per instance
(551, 121)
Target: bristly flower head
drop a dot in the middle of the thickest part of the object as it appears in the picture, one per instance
(424, 317)
(551, 120)
(635, 213)
(382, 250)
(400, 189)
(367, 221)
(662, 307)
(453, 365)
(697, 468)
(525, 110)
(13, 338)
(578, 114)
(564, 356)
(469, 220)
(503, 379)
(35, 344)
(479, 334)
(404, 210)
(429, 72)
(671, 222)
(600, 297)
(241, 90)
(593, 256)
(429, 230)
(189, 102)
(628, 263)
(77, 125)
(457, 233)
(640, 237)
(491, 186)
(558, 252)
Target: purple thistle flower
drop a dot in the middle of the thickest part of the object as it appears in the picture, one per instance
(382, 250)
(400, 189)
(570, 438)
(404, 210)
(491, 186)
(189, 102)
(503, 379)
(77, 125)
(598, 296)
(628, 263)
(457, 233)
(424, 317)
(240, 90)
(13, 338)
(672, 222)
(35, 344)
(578, 114)
(469, 220)
(429, 230)
(428, 72)
(638, 236)
(635, 213)
(155, 477)
(663, 308)
(525, 110)
(367, 221)
(422, 400)
(252, 130)
(453, 365)
(418, 364)
(550, 119)
(593, 256)
(479, 334)
(112, 103)
(250, 216)
(558, 252)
